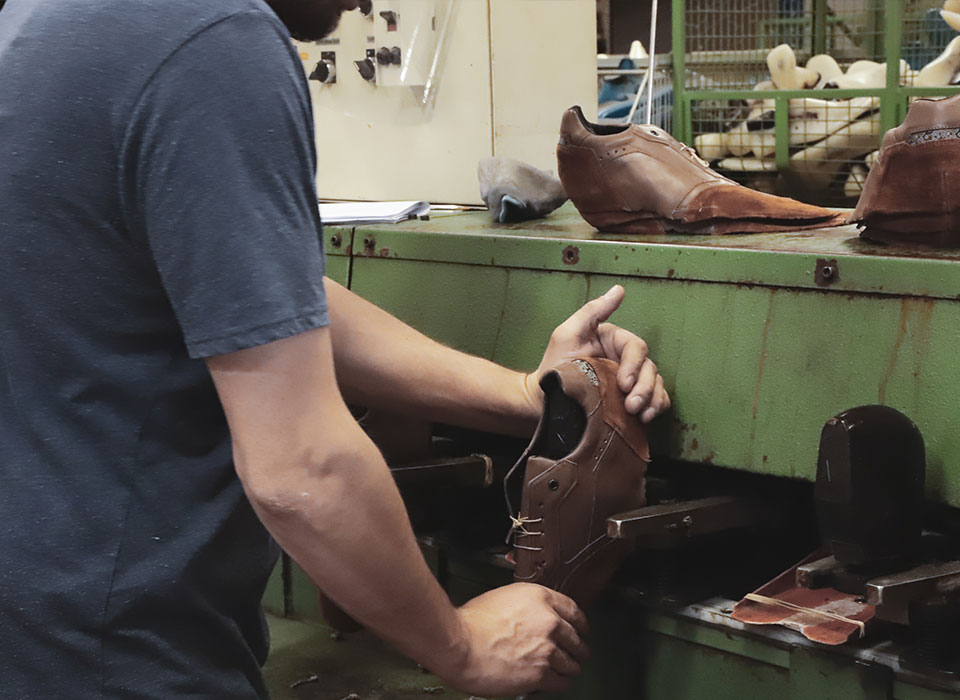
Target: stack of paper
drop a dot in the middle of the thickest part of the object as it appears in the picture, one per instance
(372, 212)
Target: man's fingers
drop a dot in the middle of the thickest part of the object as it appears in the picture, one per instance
(566, 638)
(631, 355)
(597, 310)
(553, 682)
(569, 611)
(643, 391)
(564, 664)
(659, 404)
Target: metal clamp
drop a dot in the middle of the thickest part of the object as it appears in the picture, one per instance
(684, 518)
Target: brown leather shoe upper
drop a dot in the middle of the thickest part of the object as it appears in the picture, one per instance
(639, 179)
(910, 193)
(586, 462)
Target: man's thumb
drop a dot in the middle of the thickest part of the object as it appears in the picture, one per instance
(602, 307)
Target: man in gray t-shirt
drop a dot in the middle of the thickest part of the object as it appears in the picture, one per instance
(165, 329)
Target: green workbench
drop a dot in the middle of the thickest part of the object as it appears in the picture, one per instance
(760, 338)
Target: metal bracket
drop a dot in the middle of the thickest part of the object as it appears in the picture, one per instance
(893, 594)
(473, 471)
(684, 519)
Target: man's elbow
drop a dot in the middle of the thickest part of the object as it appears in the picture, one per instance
(286, 483)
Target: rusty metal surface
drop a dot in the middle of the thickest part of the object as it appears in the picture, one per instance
(756, 354)
(566, 223)
(563, 241)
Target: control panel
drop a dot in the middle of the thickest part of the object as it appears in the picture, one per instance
(408, 95)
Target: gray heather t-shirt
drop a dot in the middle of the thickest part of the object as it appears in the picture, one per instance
(157, 207)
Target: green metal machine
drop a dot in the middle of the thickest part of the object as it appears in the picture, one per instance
(760, 339)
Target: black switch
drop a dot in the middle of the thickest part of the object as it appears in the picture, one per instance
(367, 69)
(391, 18)
(395, 56)
(324, 72)
(366, 7)
(383, 56)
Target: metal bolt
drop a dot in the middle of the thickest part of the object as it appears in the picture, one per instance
(826, 272)
(553, 484)
(687, 521)
(335, 240)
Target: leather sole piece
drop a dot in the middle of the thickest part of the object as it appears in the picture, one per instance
(646, 224)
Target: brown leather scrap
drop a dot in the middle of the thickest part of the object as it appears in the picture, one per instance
(823, 615)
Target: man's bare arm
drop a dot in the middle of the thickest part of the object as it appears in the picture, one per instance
(322, 489)
(382, 362)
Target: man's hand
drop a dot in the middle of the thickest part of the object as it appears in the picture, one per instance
(520, 638)
(585, 334)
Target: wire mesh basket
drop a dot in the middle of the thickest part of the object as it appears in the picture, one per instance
(794, 96)
(619, 78)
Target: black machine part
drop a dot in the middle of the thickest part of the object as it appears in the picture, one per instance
(869, 489)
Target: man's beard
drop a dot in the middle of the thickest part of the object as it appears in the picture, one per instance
(308, 20)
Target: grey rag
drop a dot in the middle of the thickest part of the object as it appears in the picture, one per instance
(515, 191)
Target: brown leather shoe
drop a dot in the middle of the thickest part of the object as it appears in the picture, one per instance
(910, 194)
(586, 462)
(639, 179)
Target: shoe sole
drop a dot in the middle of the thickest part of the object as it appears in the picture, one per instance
(644, 223)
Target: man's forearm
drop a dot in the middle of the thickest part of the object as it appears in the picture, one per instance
(345, 524)
(380, 361)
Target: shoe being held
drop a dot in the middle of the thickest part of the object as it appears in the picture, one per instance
(639, 179)
(587, 461)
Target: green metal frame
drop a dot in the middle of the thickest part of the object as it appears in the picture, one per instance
(756, 353)
(893, 97)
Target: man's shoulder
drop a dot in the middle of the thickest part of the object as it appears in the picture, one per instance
(166, 24)
(144, 29)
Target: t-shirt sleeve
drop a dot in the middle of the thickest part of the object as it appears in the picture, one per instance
(217, 181)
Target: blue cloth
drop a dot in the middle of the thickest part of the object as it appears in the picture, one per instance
(157, 206)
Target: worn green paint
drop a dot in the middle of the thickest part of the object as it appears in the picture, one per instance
(756, 356)
(781, 259)
(677, 670)
(357, 665)
(781, 131)
(338, 242)
(905, 691)
(892, 31)
(681, 123)
(717, 638)
(819, 674)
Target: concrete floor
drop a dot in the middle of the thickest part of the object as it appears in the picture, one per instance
(307, 663)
